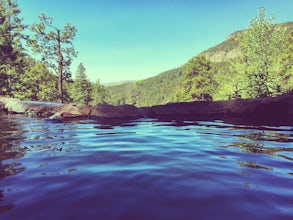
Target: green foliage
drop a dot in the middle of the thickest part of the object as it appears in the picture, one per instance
(55, 46)
(135, 92)
(37, 83)
(99, 94)
(199, 82)
(255, 62)
(287, 59)
(153, 91)
(259, 63)
(225, 79)
(82, 87)
(11, 50)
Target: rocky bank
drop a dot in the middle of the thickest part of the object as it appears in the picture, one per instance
(280, 107)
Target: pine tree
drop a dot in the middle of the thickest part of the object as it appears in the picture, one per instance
(56, 47)
(82, 87)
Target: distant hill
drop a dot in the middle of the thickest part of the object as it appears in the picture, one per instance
(117, 83)
(161, 89)
(148, 92)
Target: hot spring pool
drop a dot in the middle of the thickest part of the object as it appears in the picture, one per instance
(144, 169)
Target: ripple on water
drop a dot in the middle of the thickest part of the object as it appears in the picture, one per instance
(144, 169)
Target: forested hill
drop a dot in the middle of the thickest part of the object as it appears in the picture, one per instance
(228, 48)
(148, 92)
(252, 63)
(167, 86)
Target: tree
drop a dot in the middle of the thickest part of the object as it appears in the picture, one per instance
(11, 50)
(198, 83)
(56, 47)
(99, 94)
(287, 59)
(37, 83)
(82, 87)
(259, 63)
(135, 92)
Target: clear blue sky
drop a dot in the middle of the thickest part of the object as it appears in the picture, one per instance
(136, 39)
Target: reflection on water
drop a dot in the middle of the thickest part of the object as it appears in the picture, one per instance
(144, 169)
(10, 137)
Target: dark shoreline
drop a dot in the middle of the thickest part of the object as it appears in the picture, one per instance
(269, 109)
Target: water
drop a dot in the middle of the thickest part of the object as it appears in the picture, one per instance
(144, 169)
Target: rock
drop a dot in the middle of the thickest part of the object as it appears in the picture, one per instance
(266, 108)
(85, 110)
(41, 110)
(188, 108)
(269, 107)
(15, 106)
(104, 110)
(101, 110)
(35, 109)
(67, 111)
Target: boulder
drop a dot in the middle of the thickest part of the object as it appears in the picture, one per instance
(67, 111)
(42, 110)
(187, 108)
(269, 107)
(104, 110)
(35, 109)
(15, 106)
(101, 110)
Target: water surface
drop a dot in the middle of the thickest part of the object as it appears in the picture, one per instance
(144, 169)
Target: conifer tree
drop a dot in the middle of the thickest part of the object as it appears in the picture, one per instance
(82, 87)
(56, 47)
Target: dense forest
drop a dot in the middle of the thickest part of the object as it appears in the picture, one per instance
(255, 62)
(47, 79)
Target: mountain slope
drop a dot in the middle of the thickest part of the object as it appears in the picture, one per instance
(227, 49)
(148, 92)
(162, 88)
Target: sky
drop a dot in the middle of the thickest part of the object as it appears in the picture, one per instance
(121, 40)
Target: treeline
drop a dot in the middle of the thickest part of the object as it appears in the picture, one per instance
(153, 91)
(50, 78)
(260, 64)
(83, 92)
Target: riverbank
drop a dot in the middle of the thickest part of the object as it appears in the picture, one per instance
(280, 107)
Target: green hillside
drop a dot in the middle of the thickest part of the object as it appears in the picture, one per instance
(156, 90)
(227, 49)
(164, 87)
(255, 62)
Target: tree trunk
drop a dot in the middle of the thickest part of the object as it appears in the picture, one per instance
(60, 74)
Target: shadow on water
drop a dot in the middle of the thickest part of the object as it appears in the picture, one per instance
(11, 134)
(235, 120)
(255, 142)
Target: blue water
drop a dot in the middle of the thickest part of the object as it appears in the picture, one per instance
(144, 169)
